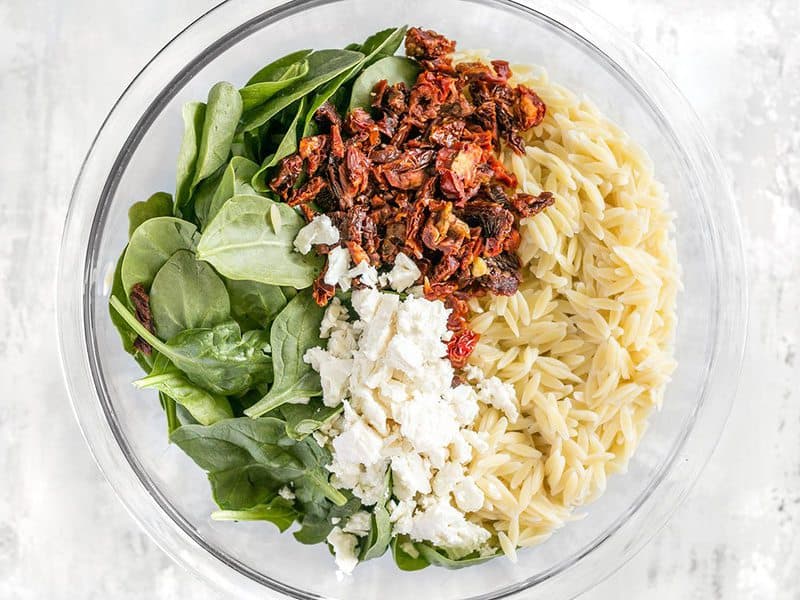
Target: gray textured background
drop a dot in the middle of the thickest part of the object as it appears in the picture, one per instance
(63, 534)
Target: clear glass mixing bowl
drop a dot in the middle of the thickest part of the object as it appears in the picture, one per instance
(134, 155)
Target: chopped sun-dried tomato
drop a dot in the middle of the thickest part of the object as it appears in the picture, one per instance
(418, 172)
(141, 307)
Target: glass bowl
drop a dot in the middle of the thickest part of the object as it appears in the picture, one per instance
(134, 155)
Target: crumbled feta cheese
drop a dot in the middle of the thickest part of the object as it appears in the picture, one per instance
(359, 444)
(411, 474)
(468, 495)
(334, 374)
(344, 549)
(501, 395)
(403, 274)
(320, 230)
(359, 523)
(367, 273)
(286, 493)
(445, 526)
(338, 267)
(390, 370)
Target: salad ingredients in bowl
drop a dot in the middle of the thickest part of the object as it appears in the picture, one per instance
(421, 304)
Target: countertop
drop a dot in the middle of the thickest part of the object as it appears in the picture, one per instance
(63, 533)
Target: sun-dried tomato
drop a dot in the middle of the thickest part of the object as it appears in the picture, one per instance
(321, 291)
(418, 172)
(141, 308)
(425, 44)
(461, 346)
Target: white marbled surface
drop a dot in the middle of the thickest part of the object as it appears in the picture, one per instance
(63, 534)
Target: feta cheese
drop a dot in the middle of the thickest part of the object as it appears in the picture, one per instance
(389, 369)
(286, 493)
(359, 523)
(468, 495)
(338, 267)
(444, 525)
(367, 273)
(320, 230)
(403, 274)
(344, 549)
(501, 395)
(334, 374)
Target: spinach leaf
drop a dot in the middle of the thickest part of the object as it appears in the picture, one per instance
(222, 116)
(405, 560)
(245, 462)
(384, 43)
(295, 330)
(275, 70)
(254, 305)
(248, 460)
(317, 521)
(287, 146)
(255, 94)
(304, 419)
(204, 407)
(194, 114)
(234, 180)
(151, 245)
(373, 48)
(126, 334)
(380, 534)
(187, 294)
(157, 205)
(171, 411)
(440, 558)
(393, 69)
(278, 511)
(323, 65)
(221, 359)
(241, 243)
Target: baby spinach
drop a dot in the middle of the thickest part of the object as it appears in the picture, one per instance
(187, 294)
(234, 180)
(151, 245)
(277, 511)
(221, 359)
(157, 205)
(384, 43)
(294, 331)
(221, 118)
(254, 94)
(248, 460)
(287, 146)
(304, 419)
(373, 48)
(241, 243)
(254, 305)
(323, 65)
(204, 407)
(394, 69)
(194, 114)
(276, 70)
(405, 560)
(170, 410)
(440, 557)
(317, 521)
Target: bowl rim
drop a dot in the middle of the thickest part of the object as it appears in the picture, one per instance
(81, 368)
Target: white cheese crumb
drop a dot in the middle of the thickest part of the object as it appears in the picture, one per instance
(320, 230)
(344, 549)
(286, 493)
(403, 274)
(367, 273)
(501, 395)
(469, 497)
(446, 526)
(359, 523)
(338, 266)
